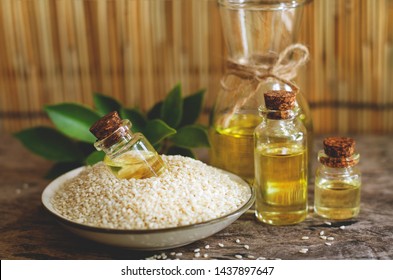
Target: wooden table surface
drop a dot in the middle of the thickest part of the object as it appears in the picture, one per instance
(28, 232)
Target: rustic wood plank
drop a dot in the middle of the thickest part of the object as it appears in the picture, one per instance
(28, 232)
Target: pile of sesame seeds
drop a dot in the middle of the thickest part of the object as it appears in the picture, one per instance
(188, 192)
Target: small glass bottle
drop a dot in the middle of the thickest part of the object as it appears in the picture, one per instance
(280, 154)
(337, 181)
(129, 155)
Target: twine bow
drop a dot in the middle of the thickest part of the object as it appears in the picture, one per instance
(284, 69)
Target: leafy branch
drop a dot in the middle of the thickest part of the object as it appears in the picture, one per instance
(169, 126)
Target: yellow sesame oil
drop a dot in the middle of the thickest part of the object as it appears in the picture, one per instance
(232, 147)
(281, 183)
(337, 200)
(136, 164)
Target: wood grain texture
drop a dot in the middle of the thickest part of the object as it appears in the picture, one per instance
(28, 232)
(136, 51)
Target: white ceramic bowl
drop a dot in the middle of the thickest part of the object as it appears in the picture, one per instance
(149, 239)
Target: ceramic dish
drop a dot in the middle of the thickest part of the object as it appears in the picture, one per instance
(150, 239)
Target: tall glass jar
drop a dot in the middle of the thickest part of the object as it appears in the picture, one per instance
(257, 34)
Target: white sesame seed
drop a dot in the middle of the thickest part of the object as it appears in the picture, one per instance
(261, 258)
(173, 253)
(164, 257)
(328, 244)
(251, 257)
(237, 241)
(207, 246)
(303, 250)
(322, 233)
(18, 191)
(238, 256)
(305, 237)
(197, 255)
(323, 237)
(197, 250)
(221, 245)
(330, 238)
(205, 255)
(342, 227)
(246, 247)
(277, 259)
(328, 223)
(158, 257)
(179, 254)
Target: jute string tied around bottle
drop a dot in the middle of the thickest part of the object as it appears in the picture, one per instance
(284, 69)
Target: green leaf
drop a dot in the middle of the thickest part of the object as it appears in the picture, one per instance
(156, 130)
(60, 168)
(191, 136)
(73, 120)
(50, 144)
(174, 150)
(155, 112)
(192, 107)
(137, 119)
(172, 108)
(95, 157)
(105, 104)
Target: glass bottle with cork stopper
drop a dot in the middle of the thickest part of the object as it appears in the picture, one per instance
(128, 154)
(338, 180)
(280, 155)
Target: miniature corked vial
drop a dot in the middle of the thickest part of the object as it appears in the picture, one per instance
(337, 180)
(280, 156)
(127, 154)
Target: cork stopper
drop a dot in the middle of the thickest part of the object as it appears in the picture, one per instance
(339, 146)
(106, 125)
(339, 152)
(280, 101)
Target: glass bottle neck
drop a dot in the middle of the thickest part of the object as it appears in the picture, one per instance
(257, 31)
(118, 141)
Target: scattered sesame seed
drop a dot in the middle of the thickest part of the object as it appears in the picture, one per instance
(221, 245)
(305, 237)
(330, 238)
(173, 253)
(197, 255)
(322, 233)
(179, 254)
(158, 257)
(239, 257)
(303, 250)
(18, 191)
(251, 257)
(197, 250)
(277, 259)
(164, 257)
(328, 244)
(342, 227)
(207, 246)
(237, 241)
(205, 255)
(261, 258)
(246, 247)
(323, 237)
(25, 186)
(328, 223)
(177, 259)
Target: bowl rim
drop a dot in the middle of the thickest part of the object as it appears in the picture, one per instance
(241, 210)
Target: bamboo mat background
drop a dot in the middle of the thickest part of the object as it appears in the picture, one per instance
(63, 50)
